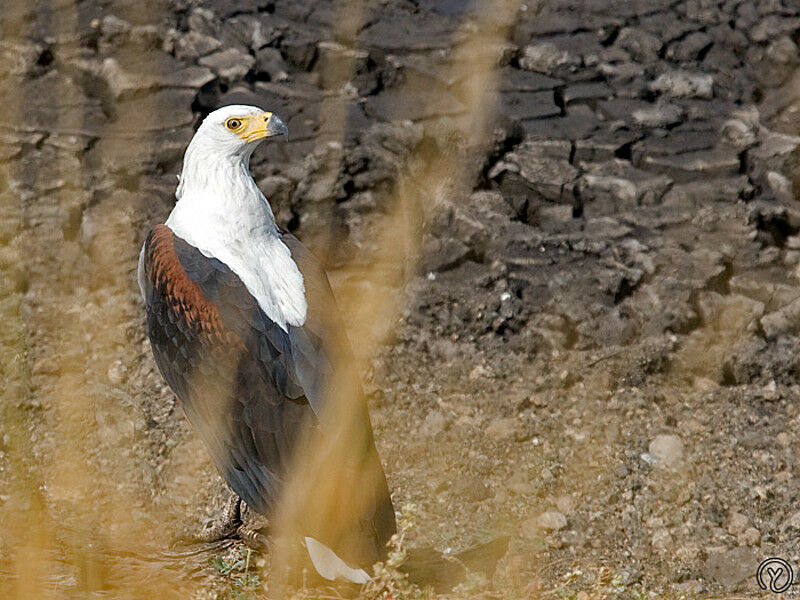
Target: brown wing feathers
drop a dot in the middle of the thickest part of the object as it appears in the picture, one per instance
(181, 294)
(226, 391)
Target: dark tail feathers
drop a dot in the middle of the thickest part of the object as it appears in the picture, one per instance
(427, 567)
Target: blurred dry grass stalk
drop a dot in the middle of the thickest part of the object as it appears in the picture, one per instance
(331, 482)
(67, 527)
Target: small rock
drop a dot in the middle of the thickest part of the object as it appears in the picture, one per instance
(300, 50)
(542, 168)
(117, 373)
(793, 522)
(229, 64)
(738, 523)
(688, 553)
(443, 254)
(551, 521)
(545, 58)
(660, 115)
(690, 165)
(783, 320)
(621, 471)
(565, 504)
(480, 372)
(739, 133)
(783, 51)
(537, 400)
(704, 384)
(643, 46)
(680, 84)
(193, 45)
(668, 449)
(573, 538)
(732, 568)
(771, 27)
(749, 537)
(691, 47)
(690, 588)
(121, 82)
(270, 61)
(780, 185)
(434, 423)
(613, 186)
(662, 540)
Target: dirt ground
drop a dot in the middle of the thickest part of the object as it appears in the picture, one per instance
(596, 353)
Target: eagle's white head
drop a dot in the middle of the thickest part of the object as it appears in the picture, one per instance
(234, 131)
(220, 150)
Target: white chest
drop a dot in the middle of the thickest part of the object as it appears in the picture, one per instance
(248, 243)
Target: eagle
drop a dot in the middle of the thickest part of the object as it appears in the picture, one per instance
(245, 330)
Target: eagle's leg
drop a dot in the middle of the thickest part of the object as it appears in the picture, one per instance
(253, 538)
(228, 523)
(253, 529)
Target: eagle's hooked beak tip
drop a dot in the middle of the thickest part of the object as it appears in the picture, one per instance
(277, 126)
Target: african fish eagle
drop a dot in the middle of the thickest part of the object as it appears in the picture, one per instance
(242, 323)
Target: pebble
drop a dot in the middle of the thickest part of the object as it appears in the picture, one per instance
(230, 64)
(749, 537)
(537, 400)
(681, 84)
(551, 521)
(662, 540)
(793, 522)
(660, 115)
(435, 422)
(704, 384)
(480, 372)
(566, 505)
(667, 449)
(544, 58)
(737, 523)
(732, 568)
(117, 373)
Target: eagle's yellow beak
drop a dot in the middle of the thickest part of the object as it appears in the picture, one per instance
(261, 126)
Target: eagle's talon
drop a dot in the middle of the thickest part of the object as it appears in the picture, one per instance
(224, 527)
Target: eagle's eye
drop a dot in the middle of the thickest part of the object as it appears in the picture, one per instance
(233, 124)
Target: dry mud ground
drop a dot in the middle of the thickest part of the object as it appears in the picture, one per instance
(596, 354)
